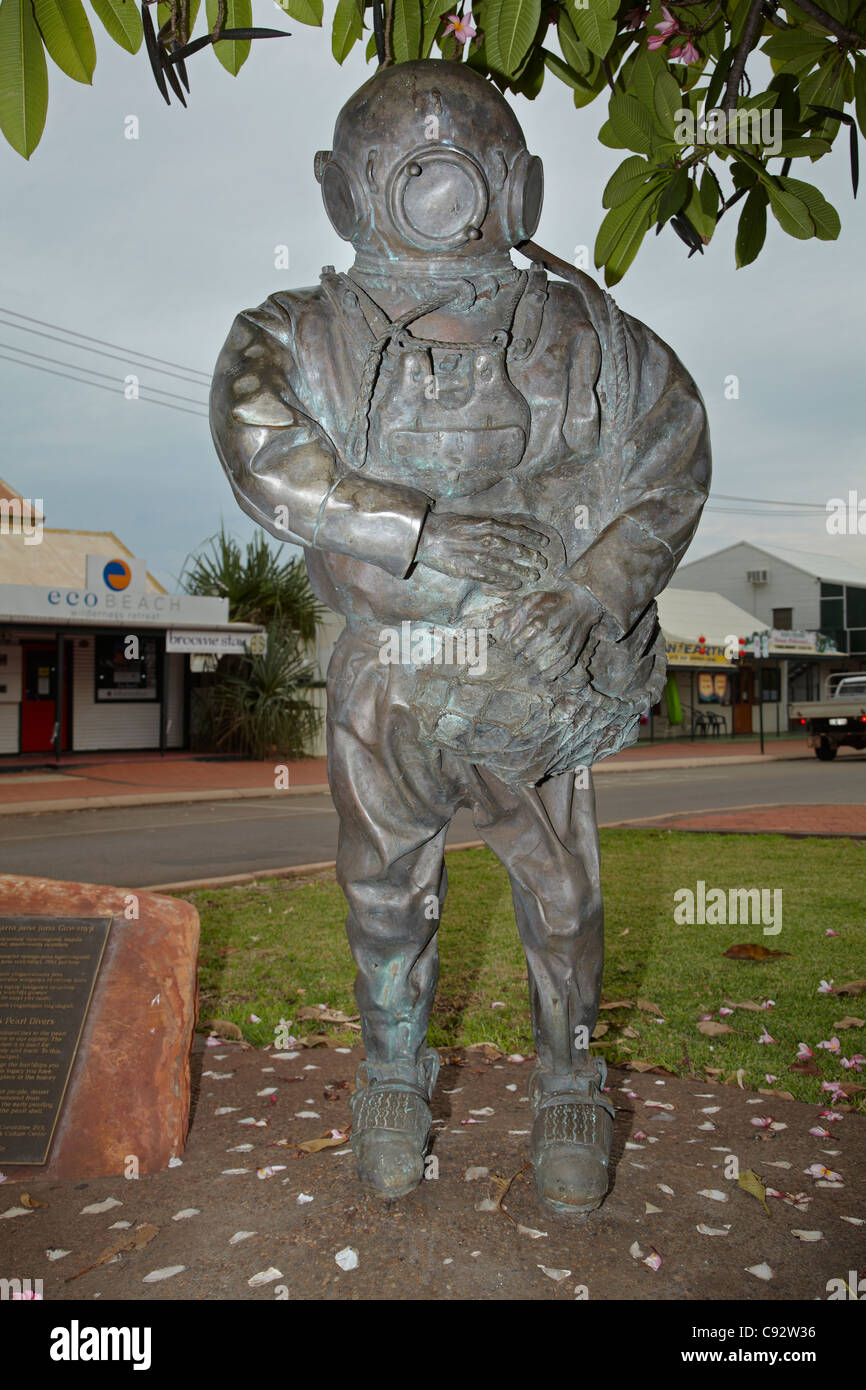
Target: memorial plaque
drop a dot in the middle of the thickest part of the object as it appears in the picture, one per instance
(48, 968)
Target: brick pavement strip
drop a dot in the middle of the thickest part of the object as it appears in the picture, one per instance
(444, 1241)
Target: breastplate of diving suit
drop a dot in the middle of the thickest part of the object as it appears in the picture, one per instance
(447, 418)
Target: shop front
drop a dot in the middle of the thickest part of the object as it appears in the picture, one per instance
(105, 665)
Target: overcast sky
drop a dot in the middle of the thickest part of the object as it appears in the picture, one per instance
(156, 243)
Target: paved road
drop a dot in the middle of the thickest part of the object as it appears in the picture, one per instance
(139, 846)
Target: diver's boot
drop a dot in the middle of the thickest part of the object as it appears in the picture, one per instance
(572, 1136)
(391, 1126)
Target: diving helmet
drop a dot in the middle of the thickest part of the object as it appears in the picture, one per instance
(429, 160)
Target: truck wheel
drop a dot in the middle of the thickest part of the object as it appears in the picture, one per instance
(826, 751)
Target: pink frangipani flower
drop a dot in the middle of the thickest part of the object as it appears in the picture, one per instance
(765, 1037)
(825, 987)
(854, 1063)
(831, 1045)
(688, 53)
(461, 26)
(668, 26)
(804, 1052)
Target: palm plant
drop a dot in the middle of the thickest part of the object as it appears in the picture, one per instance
(262, 710)
(258, 706)
(260, 585)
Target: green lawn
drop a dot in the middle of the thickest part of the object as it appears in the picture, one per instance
(273, 947)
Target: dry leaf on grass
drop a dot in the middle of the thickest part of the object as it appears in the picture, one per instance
(647, 1007)
(223, 1028)
(848, 1022)
(30, 1202)
(806, 1066)
(488, 1050)
(329, 1016)
(752, 950)
(600, 1030)
(751, 1183)
(853, 987)
(618, 1004)
(711, 1029)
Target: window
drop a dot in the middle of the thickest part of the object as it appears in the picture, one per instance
(831, 590)
(858, 641)
(855, 602)
(783, 619)
(132, 677)
(772, 685)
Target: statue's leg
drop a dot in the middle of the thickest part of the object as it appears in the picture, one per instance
(547, 838)
(392, 799)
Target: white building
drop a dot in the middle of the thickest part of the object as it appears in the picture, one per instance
(94, 653)
(792, 591)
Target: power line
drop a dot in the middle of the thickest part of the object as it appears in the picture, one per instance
(766, 501)
(106, 376)
(20, 328)
(72, 332)
(82, 381)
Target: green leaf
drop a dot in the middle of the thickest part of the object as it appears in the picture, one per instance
(574, 51)
(616, 223)
(674, 195)
(589, 90)
(667, 101)
(645, 71)
(347, 29)
(406, 28)
(67, 35)
(703, 219)
(232, 53)
(595, 24)
(791, 213)
(627, 247)
(305, 11)
(631, 122)
(121, 21)
(795, 51)
(752, 227)
(625, 181)
(23, 77)
(433, 12)
(511, 26)
(563, 71)
(804, 145)
(822, 213)
(825, 87)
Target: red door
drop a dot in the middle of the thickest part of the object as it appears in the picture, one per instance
(39, 697)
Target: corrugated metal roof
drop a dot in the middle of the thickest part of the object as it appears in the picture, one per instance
(687, 614)
(60, 558)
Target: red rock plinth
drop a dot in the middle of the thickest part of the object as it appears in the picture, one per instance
(129, 1091)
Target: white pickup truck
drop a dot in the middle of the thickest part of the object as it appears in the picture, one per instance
(837, 721)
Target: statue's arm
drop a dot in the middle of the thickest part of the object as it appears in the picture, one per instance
(659, 468)
(282, 466)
